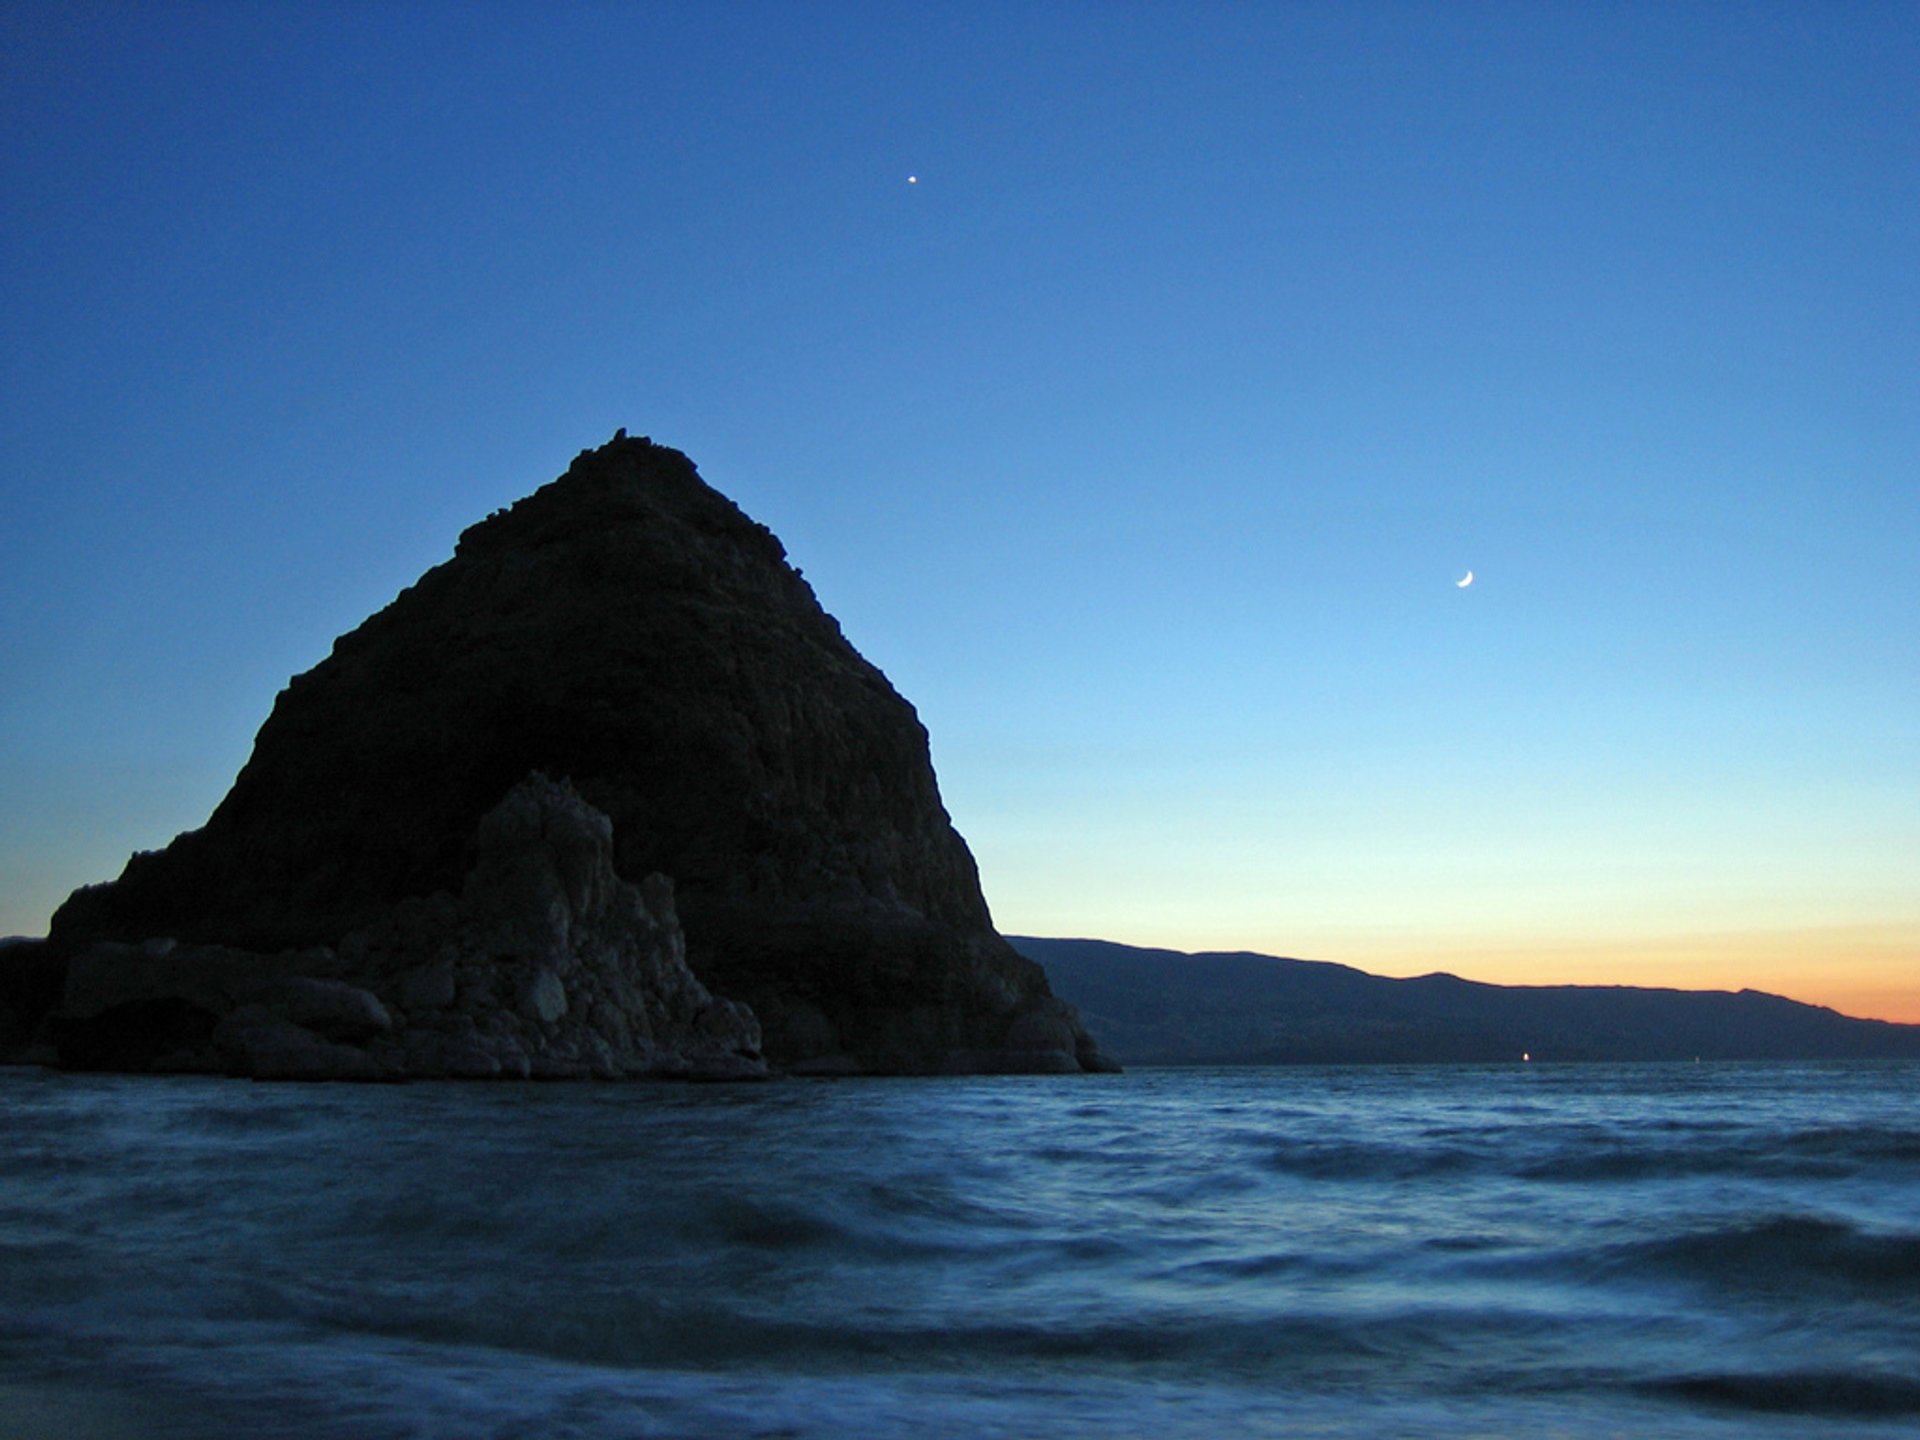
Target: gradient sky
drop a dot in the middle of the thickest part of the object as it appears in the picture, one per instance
(1140, 441)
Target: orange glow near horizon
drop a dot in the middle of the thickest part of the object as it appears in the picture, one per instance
(1867, 971)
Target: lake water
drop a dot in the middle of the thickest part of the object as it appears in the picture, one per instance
(1580, 1251)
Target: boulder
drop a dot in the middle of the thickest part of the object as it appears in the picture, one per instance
(32, 976)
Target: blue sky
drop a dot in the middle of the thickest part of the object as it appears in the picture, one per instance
(1140, 440)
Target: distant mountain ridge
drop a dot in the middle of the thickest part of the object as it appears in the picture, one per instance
(1166, 1007)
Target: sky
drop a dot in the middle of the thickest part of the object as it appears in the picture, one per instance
(1133, 381)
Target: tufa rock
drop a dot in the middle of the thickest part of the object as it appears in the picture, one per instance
(627, 628)
(546, 964)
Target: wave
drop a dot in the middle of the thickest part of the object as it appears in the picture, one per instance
(1341, 1159)
(1785, 1253)
(1821, 1153)
(1838, 1393)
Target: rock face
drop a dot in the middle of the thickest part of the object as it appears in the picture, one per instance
(628, 630)
(546, 965)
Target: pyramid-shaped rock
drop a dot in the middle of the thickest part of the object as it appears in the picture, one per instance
(627, 631)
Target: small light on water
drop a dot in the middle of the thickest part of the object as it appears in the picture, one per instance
(1527, 1055)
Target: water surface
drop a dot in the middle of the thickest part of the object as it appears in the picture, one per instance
(1580, 1251)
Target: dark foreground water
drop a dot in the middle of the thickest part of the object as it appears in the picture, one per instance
(1528, 1251)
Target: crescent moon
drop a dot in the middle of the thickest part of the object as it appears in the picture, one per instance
(1462, 584)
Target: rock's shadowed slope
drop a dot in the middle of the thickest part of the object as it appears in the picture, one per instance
(628, 630)
(1162, 1007)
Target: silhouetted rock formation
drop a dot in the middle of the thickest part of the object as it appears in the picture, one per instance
(547, 964)
(627, 629)
(1162, 1007)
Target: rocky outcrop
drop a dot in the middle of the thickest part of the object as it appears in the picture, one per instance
(545, 965)
(32, 974)
(628, 629)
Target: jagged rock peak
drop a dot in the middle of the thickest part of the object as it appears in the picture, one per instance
(628, 629)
